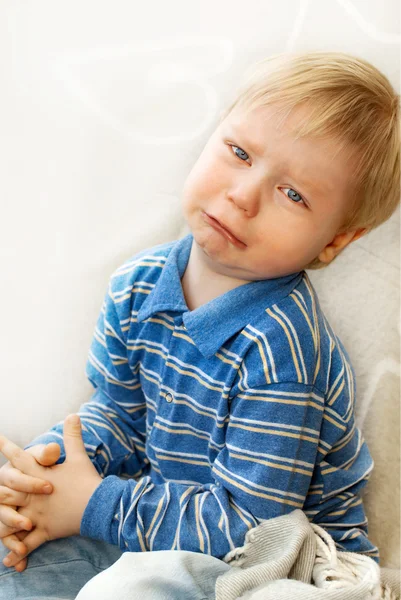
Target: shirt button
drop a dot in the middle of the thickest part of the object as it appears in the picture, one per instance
(169, 397)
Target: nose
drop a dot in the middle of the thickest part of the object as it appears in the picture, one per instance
(245, 193)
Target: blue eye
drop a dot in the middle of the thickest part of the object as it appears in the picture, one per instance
(296, 200)
(296, 194)
(241, 154)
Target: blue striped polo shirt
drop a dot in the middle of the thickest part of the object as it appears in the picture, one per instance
(205, 423)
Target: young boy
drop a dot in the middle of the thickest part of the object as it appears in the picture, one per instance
(223, 397)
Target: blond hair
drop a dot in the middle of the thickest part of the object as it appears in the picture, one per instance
(354, 104)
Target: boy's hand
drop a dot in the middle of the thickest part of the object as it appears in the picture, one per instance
(15, 486)
(14, 489)
(59, 514)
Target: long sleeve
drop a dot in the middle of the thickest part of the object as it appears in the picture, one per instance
(335, 501)
(114, 419)
(256, 476)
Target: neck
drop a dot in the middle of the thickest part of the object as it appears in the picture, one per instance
(202, 282)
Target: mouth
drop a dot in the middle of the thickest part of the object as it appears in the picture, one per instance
(223, 230)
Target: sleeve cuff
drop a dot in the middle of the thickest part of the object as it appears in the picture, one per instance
(99, 519)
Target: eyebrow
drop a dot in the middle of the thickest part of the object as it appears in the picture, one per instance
(308, 185)
(259, 149)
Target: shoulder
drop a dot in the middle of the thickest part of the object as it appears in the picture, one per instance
(131, 283)
(292, 342)
(146, 265)
(282, 338)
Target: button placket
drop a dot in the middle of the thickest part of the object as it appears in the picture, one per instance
(178, 321)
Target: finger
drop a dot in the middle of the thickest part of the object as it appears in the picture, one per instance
(5, 531)
(32, 541)
(45, 454)
(18, 458)
(21, 535)
(21, 566)
(14, 479)
(50, 454)
(12, 497)
(13, 543)
(72, 434)
(12, 518)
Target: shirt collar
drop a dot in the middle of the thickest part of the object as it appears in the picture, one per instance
(213, 323)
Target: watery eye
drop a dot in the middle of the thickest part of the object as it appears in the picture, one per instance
(293, 195)
(241, 153)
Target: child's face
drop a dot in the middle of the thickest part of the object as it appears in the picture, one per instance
(284, 199)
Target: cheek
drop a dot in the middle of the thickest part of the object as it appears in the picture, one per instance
(208, 174)
(286, 238)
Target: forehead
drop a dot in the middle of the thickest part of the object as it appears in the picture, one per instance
(263, 123)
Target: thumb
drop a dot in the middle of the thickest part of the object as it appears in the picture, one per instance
(50, 454)
(45, 454)
(73, 442)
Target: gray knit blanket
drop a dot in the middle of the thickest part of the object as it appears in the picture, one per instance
(289, 558)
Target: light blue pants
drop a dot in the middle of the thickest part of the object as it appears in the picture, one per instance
(85, 569)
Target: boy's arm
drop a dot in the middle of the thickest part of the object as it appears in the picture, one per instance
(114, 419)
(264, 470)
(342, 475)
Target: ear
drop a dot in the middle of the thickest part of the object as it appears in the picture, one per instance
(340, 241)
